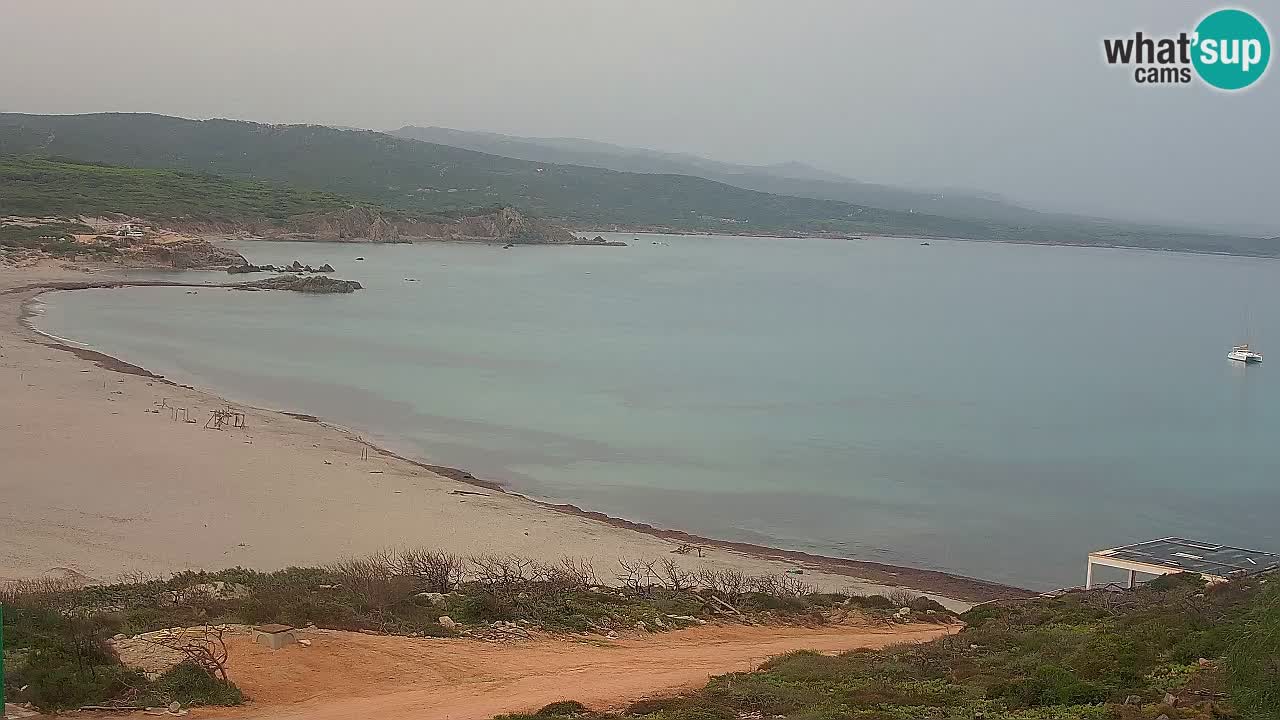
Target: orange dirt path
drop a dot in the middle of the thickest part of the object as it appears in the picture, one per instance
(351, 675)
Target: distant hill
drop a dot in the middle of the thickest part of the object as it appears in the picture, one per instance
(416, 176)
(790, 178)
(203, 202)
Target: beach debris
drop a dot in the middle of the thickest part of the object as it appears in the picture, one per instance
(723, 607)
(687, 548)
(687, 619)
(222, 419)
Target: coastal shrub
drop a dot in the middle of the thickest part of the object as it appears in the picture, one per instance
(1253, 662)
(190, 685)
(428, 570)
(1049, 685)
(65, 660)
(873, 602)
(372, 581)
(484, 606)
(564, 708)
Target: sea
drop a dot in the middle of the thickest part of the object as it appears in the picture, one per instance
(988, 409)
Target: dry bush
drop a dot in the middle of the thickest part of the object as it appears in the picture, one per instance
(902, 598)
(729, 583)
(43, 592)
(139, 577)
(502, 573)
(373, 580)
(780, 585)
(637, 574)
(569, 572)
(208, 651)
(427, 570)
(673, 576)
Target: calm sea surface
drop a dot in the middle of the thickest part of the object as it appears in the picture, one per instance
(989, 409)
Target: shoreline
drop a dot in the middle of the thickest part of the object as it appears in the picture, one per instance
(947, 585)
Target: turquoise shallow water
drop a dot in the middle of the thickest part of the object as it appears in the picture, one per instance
(989, 409)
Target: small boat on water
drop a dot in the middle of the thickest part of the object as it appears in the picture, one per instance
(1242, 353)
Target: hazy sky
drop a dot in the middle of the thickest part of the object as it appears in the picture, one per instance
(1011, 97)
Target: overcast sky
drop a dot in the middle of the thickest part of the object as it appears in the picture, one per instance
(1009, 97)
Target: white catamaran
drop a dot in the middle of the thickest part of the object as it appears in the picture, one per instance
(1243, 354)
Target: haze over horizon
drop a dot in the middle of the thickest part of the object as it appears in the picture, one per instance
(1014, 101)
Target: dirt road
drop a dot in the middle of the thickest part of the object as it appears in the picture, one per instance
(349, 675)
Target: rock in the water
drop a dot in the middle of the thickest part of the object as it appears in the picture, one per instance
(325, 268)
(298, 283)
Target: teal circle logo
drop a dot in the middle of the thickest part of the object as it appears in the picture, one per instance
(1232, 49)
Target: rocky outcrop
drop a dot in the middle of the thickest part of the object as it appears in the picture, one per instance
(371, 225)
(318, 284)
(185, 254)
(294, 267)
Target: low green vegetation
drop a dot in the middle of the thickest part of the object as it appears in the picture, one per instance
(57, 635)
(1174, 649)
(50, 186)
(54, 237)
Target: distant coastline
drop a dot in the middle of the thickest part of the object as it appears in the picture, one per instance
(642, 230)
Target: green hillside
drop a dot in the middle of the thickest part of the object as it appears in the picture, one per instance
(419, 176)
(37, 187)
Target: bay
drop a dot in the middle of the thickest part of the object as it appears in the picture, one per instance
(990, 409)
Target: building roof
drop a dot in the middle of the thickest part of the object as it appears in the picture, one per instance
(1180, 554)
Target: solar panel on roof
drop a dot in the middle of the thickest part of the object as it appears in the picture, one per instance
(1196, 556)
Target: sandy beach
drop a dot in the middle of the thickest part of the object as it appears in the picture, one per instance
(99, 480)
